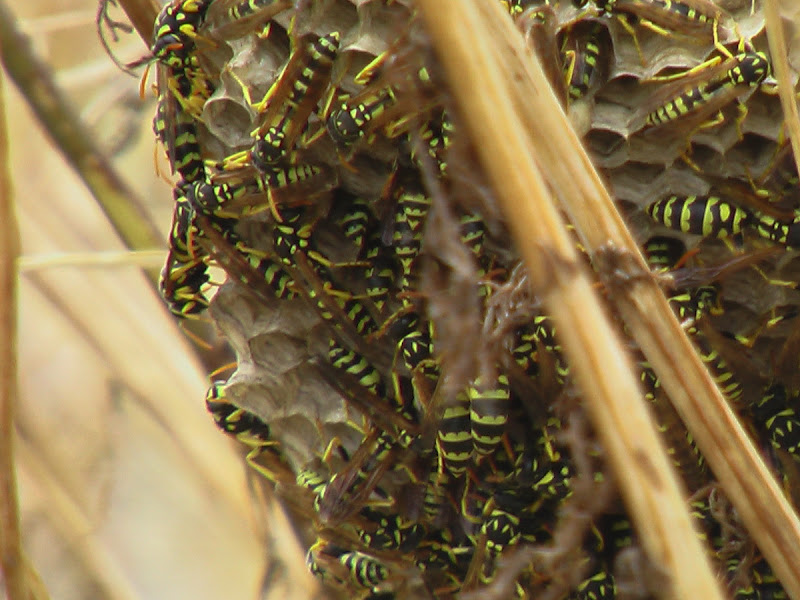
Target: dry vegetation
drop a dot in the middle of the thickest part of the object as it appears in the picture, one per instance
(126, 488)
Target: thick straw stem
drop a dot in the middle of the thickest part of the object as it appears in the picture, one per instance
(780, 65)
(10, 545)
(21, 580)
(724, 443)
(478, 73)
(34, 78)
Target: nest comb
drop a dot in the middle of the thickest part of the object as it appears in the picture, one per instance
(460, 526)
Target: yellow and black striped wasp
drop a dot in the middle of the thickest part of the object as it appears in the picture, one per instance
(251, 431)
(697, 96)
(228, 19)
(382, 450)
(285, 109)
(356, 573)
(183, 86)
(383, 105)
(694, 18)
(176, 30)
(775, 412)
(285, 185)
(709, 216)
(582, 52)
(185, 271)
(786, 233)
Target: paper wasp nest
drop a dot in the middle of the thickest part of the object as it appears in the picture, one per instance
(377, 310)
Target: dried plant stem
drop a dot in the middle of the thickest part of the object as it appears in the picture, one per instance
(10, 543)
(780, 64)
(35, 81)
(465, 35)
(142, 14)
(21, 580)
(722, 439)
(152, 259)
(75, 527)
(724, 443)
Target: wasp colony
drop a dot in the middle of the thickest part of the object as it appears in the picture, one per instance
(395, 377)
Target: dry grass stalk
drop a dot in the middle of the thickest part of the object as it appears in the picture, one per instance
(172, 386)
(34, 78)
(21, 579)
(736, 463)
(10, 548)
(152, 259)
(780, 65)
(468, 39)
(76, 527)
(728, 449)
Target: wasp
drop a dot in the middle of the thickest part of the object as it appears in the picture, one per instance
(181, 286)
(185, 272)
(178, 135)
(355, 221)
(347, 568)
(390, 532)
(709, 216)
(666, 17)
(250, 430)
(374, 108)
(540, 468)
(786, 233)
(288, 104)
(176, 29)
(774, 410)
(435, 135)
(675, 15)
(350, 488)
(284, 185)
(233, 18)
(454, 436)
(183, 86)
(663, 252)
(488, 412)
(693, 305)
(544, 335)
(353, 119)
(705, 91)
(582, 53)
(175, 34)
(379, 275)
(411, 213)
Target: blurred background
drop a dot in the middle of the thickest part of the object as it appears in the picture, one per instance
(127, 489)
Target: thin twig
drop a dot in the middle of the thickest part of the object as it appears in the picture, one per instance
(469, 39)
(144, 258)
(34, 78)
